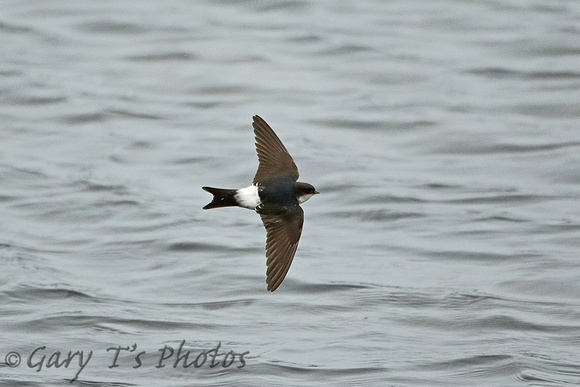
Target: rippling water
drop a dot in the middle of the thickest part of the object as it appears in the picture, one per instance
(443, 137)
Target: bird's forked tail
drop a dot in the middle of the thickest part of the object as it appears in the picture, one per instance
(221, 197)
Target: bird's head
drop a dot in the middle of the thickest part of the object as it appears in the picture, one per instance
(304, 191)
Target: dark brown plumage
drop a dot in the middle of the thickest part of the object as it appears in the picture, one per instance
(276, 195)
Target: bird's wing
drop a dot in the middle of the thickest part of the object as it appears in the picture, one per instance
(283, 234)
(274, 159)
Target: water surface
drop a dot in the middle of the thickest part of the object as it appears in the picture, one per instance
(443, 137)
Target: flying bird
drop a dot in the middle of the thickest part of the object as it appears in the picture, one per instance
(276, 195)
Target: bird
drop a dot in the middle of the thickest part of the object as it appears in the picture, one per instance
(275, 194)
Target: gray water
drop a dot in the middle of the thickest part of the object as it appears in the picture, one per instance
(443, 136)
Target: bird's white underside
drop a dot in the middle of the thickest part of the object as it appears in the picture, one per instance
(248, 197)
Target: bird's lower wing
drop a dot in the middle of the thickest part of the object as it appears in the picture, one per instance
(283, 234)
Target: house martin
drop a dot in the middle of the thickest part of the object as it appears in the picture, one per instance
(276, 195)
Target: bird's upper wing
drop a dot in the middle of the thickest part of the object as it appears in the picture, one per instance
(283, 234)
(274, 159)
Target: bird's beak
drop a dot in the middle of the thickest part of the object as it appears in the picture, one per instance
(316, 192)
